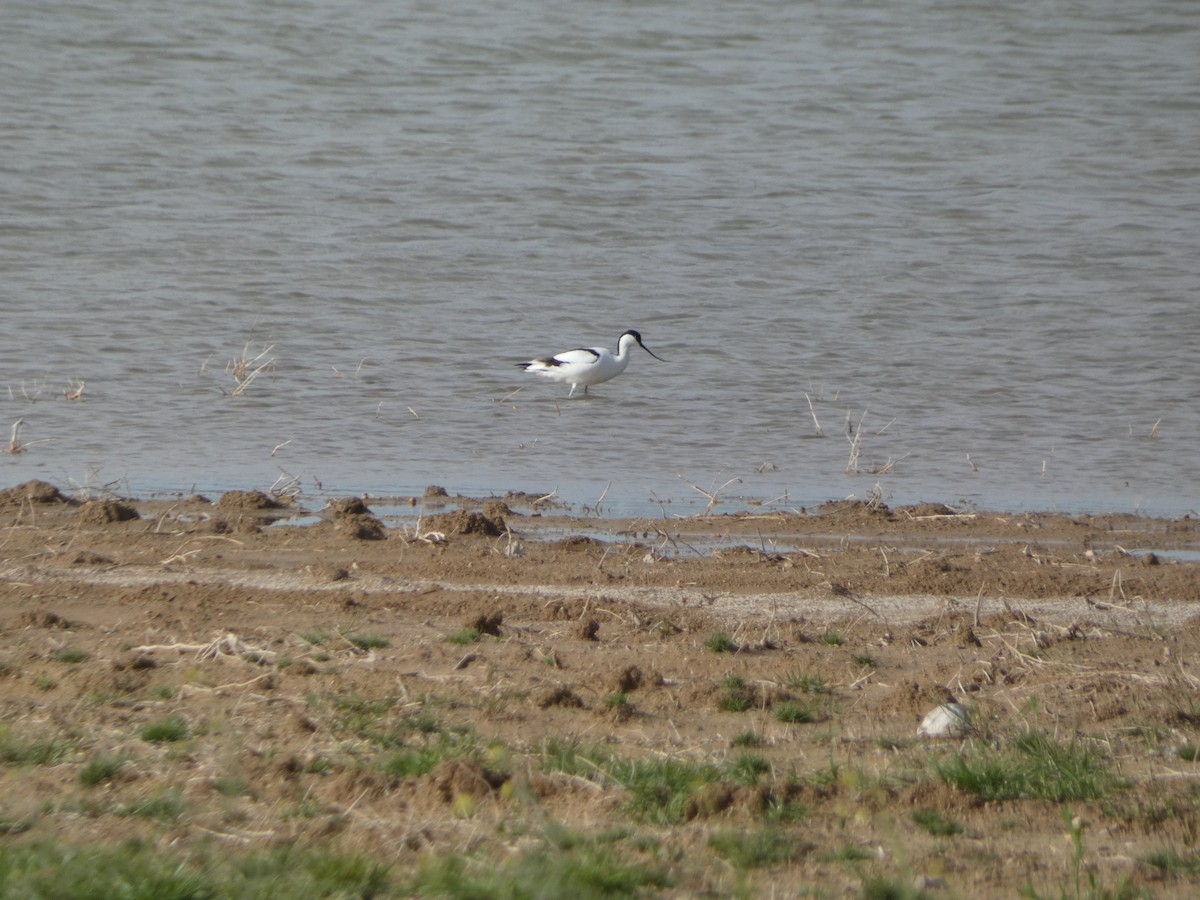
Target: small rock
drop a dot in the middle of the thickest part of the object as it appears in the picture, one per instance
(947, 720)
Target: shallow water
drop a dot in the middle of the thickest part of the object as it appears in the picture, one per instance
(970, 227)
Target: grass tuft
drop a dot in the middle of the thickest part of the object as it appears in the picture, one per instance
(165, 731)
(15, 751)
(721, 643)
(769, 846)
(791, 713)
(935, 823)
(70, 655)
(368, 641)
(100, 769)
(1035, 767)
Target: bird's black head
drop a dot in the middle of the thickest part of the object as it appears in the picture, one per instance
(636, 335)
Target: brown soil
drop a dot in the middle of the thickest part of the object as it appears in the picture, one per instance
(270, 640)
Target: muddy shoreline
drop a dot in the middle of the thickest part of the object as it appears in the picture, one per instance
(306, 650)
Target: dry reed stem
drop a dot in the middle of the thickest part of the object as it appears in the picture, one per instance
(245, 368)
(812, 412)
(855, 444)
(713, 495)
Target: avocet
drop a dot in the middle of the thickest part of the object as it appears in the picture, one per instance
(588, 365)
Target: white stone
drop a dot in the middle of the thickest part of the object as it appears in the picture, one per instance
(947, 720)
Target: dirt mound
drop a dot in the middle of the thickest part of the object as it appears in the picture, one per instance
(349, 506)
(465, 523)
(31, 492)
(848, 511)
(105, 512)
(247, 501)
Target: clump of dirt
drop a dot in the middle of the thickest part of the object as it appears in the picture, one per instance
(559, 695)
(497, 509)
(844, 511)
(486, 623)
(248, 501)
(465, 523)
(354, 519)
(362, 528)
(349, 506)
(632, 677)
(41, 618)
(31, 492)
(577, 543)
(104, 512)
(588, 630)
(452, 779)
(435, 495)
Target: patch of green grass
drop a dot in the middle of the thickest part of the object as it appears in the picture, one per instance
(781, 811)
(747, 739)
(368, 641)
(866, 660)
(16, 751)
(162, 692)
(768, 846)
(165, 806)
(352, 712)
(721, 643)
(165, 731)
(1189, 753)
(734, 701)
(1034, 767)
(465, 636)
(100, 769)
(881, 887)
(833, 638)
(935, 823)
(1173, 864)
(136, 871)
(658, 788)
(408, 761)
(231, 786)
(807, 682)
(747, 768)
(582, 870)
(737, 697)
(615, 699)
(848, 854)
(70, 655)
(795, 713)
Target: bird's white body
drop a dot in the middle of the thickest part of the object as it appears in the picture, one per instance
(587, 365)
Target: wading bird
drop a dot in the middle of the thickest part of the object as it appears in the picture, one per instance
(588, 365)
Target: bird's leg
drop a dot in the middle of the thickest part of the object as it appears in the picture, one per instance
(585, 388)
(572, 394)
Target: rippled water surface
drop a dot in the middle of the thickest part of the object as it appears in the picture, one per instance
(967, 232)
